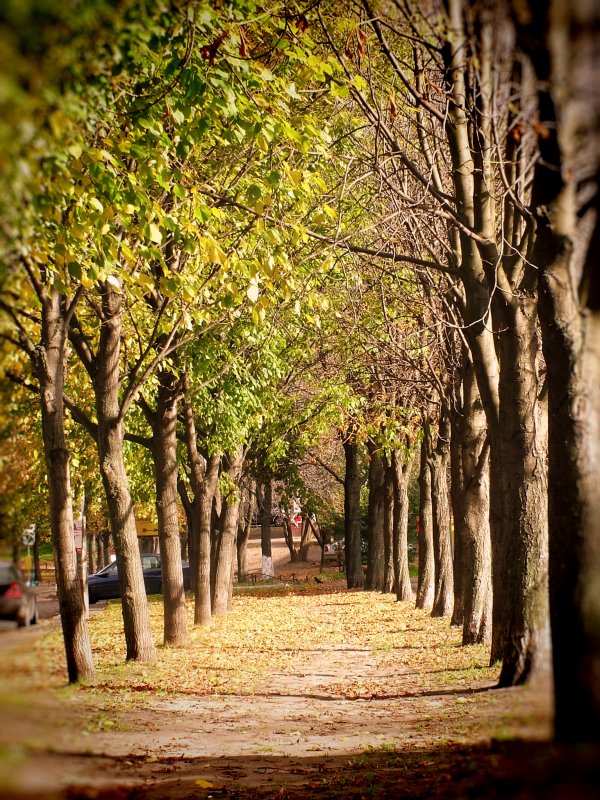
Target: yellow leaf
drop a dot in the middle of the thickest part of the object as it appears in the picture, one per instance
(204, 784)
(252, 291)
(155, 233)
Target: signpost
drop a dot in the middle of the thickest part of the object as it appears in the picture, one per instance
(29, 535)
(28, 539)
(81, 551)
(78, 529)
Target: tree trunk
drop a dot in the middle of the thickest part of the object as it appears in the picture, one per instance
(99, 551)
(105, 547)
(49, 362)
(474, 522)
(456, 500)
(499, 276)
(426, 579)
(352, 482)
(401, 465)
(164, 448)
(244, 527)
(37, 567)
(375, 523)
(388, 527)
(204, 579)
(265, 528)
(136, 617)
(204, 476)
(442, 535)
(520, 632)
(91, 549)
(566, 198)
(304, 539)
(227, 535)
(190, 507)
(289, 538)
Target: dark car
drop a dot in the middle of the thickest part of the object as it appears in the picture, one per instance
(17, 599)
(104, 585)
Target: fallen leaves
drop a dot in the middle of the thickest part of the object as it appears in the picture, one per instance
(271, 633)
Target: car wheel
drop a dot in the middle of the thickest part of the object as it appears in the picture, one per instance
(35, 617)
(22, 618)
(92, 598)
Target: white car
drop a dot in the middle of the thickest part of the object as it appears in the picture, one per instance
(334, 551)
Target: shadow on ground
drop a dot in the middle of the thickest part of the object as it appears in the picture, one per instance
(505, 769)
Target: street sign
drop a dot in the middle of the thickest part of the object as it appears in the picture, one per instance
(78, 528)
(146, 527)
(29, 535)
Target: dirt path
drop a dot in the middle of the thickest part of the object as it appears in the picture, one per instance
(360, 697)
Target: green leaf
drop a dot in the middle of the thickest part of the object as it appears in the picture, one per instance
(339, 91)
(253, 193)
(74, 270)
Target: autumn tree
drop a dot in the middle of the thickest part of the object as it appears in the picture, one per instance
(561, 42)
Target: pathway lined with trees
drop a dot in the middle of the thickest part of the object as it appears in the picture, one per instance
(242, 246)
(308, 690)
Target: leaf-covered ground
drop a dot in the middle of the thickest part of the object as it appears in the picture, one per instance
(301, 691)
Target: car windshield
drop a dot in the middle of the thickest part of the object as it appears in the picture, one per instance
(148, 562)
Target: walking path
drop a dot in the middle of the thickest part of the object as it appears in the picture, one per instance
(349, 677)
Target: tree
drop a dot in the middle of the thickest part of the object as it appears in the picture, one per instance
(456, 121)
(426, 575)
(562, 44)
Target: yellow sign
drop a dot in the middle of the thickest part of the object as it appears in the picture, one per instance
(146, 527)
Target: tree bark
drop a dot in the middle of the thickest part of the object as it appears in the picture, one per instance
(37, 567)
(401, 464)
(91, 550)
(136, 617)
(426, 578)
(563, 42)
(501, 278)
(388, 527)
(375, 523)
(244, 526)
(204, 581)
(164, 448)
(225, 545)
(304, 539)
(105, 547)
(265, 528)
(352, 549)
(49, 360)
(204, 475)
(442, 536)
(520, 631)
(474, 520)
(456, 500)
(289, 539)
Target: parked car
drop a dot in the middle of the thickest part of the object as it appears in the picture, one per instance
(334, 551)
(17, 599)
(104, 585)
